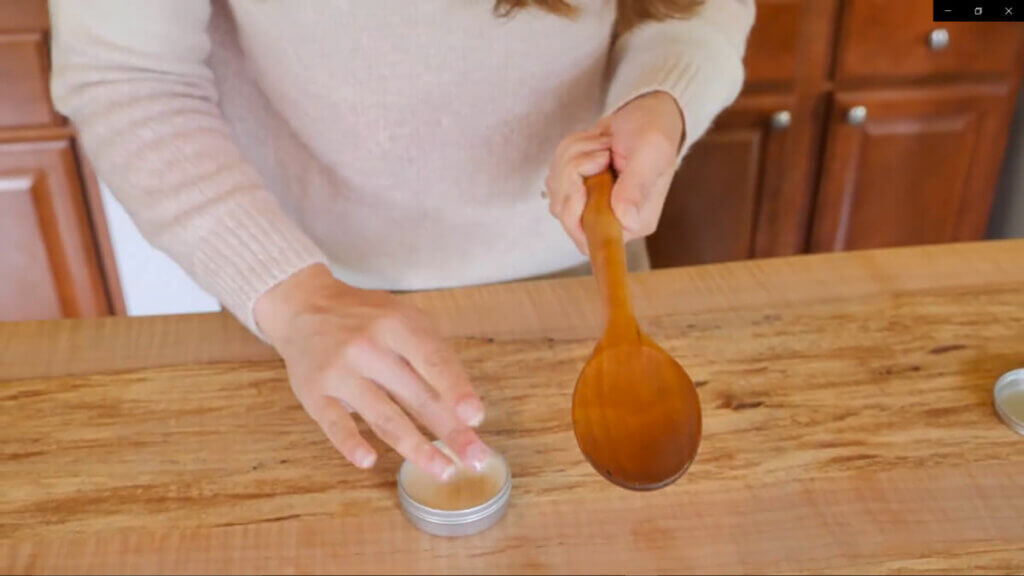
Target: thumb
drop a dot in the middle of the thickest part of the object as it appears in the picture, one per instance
(628, 196)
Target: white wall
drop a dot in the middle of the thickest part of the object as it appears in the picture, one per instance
(152, 283)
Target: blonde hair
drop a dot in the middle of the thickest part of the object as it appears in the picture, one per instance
(630, 12)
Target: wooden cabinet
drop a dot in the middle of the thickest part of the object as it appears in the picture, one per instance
(26, 98)
(19, 16)
(910, 166)
(55, 259)
(732, 179)
(772, 48)
(883, 40)
(49, 261)
(746, 189)
(897, 134)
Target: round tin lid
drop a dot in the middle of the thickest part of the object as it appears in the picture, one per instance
(1008, 399)
(430, 517)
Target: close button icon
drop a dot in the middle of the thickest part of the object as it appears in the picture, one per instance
(1009, 10)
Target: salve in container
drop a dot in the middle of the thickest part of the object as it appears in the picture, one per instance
(468, 503)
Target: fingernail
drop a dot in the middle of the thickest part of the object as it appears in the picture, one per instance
(365, 458)
(477, 455)
(471, 412)
(444, 469)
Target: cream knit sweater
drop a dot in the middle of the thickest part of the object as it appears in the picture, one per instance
(402, 142)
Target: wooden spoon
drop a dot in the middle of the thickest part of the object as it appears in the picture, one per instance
(635, 410)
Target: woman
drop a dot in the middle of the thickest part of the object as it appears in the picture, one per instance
(299, 159)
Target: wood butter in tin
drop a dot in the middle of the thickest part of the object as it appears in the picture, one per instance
(1008, 399)
(468, 503)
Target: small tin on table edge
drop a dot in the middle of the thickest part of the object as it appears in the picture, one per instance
(453, 523)
(1009, 382)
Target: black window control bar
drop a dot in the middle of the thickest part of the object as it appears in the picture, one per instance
(978, 10)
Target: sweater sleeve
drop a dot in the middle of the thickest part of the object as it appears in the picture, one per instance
(133, 78)
(697, 59)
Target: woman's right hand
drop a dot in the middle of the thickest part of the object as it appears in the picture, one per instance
(348, 349)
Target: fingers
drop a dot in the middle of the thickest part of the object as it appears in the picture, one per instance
(415, 340)
(421, 400)
(570, 211)
(580, 155)
(392, 426)
(570, 214)
(567, 157)
(581, 143)
(341, 430)
(369, 353)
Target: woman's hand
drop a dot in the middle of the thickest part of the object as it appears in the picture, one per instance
(641, 141)
(365, 350)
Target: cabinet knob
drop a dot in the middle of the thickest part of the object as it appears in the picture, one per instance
(781, 120)
(938, 39)
(856, 116)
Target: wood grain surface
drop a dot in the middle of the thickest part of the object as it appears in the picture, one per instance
(848, 428)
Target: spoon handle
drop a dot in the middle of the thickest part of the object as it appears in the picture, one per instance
(608, 259)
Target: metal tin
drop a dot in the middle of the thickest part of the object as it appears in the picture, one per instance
(453, 523)
(1008, 399)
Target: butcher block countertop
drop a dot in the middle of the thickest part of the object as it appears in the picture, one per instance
(848, 427)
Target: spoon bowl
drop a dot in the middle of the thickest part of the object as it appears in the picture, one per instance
(637, 416)
(635, 411)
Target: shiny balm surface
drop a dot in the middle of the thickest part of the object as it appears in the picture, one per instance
(465, 489)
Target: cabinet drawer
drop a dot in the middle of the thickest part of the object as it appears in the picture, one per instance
(772, 46)
(886, 40)
(25, 97)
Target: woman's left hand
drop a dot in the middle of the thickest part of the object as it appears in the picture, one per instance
(641, 141)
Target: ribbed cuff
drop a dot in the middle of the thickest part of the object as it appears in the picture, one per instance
(699, 70)
(253, 248)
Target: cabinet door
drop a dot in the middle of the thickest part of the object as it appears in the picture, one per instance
(48, 264)
(911, 166)
(773, 45)
(25, 97)
(727, 187)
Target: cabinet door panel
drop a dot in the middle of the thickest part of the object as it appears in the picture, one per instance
(48, 265)
(24, 87)
(28, 289)
(727, 188)
(919, 168)
(771, 57)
